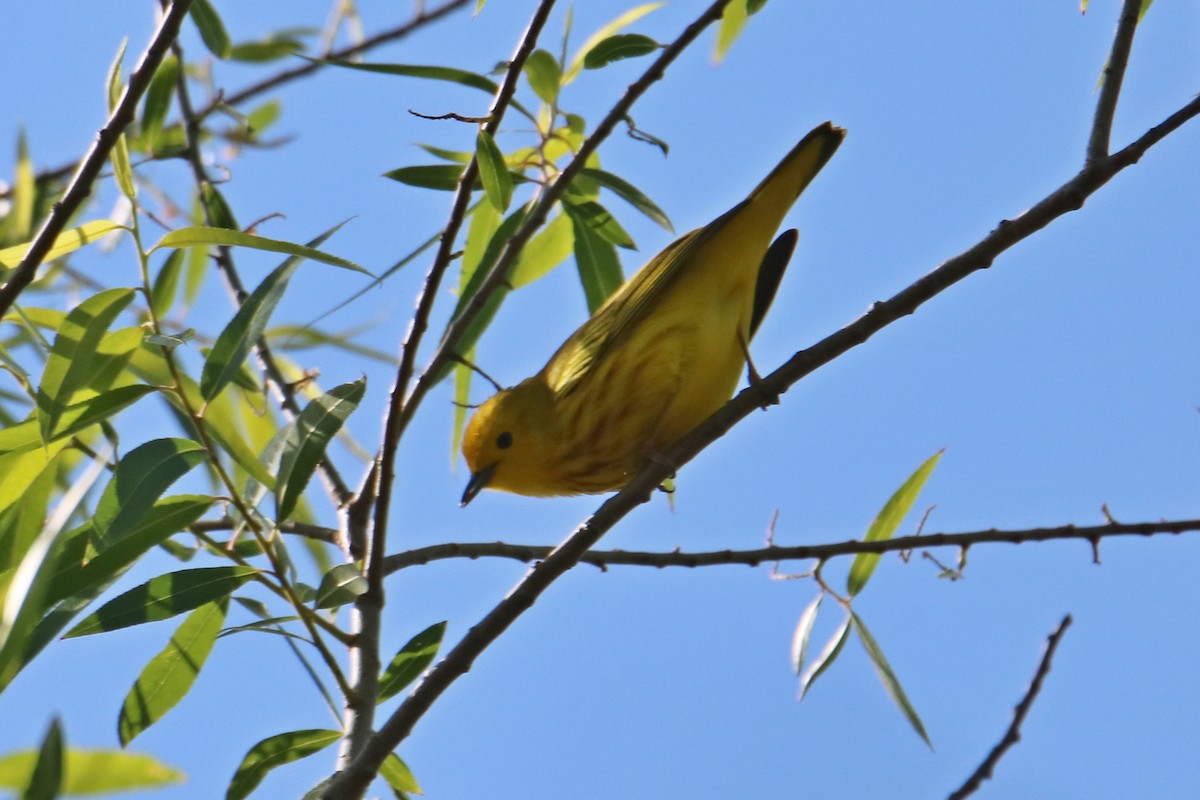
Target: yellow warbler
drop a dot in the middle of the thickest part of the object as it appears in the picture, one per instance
(664, 352)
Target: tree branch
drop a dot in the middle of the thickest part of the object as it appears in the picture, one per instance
(89, 168)
(764, 555)
(1114, 76)
(1013, 734)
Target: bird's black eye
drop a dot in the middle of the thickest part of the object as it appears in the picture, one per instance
(504, 440)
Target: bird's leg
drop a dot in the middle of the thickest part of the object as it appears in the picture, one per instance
(768, 395)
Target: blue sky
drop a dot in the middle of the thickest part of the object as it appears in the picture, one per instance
(1063, 378)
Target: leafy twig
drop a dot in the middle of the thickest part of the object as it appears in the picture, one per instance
(1013, 735)
(89, 168)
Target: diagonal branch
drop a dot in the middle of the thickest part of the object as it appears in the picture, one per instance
(764, 555)
(89, 168)
(1114, 76)
(1013, 734)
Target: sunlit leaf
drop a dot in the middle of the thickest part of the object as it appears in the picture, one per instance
(305, 445)
(398, 775)
(887, 521)
(92, 772)
(170, 674)
(825, 658)
(601, 220)
(164, 597)
(803, 632)
(66, 242)
(624, 20)
(197, 236)
(546, 250)
(543, 72)
(340, 585)
(139, 480)
(493, 171)
(275, 751)
(157, 104)
(630, 194)
(73, 419)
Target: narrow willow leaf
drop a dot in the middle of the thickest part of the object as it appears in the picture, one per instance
(732, 23)
(46, 781)
(624, 20)
(197, 236)
(453, 156)
(170, 674)
(81, 568)
(233, 345)
(545, 251)
(19, 471)
(119, 157)
(460, 76)
(493, 171)
(600, 220)
(19, 221)
(825, 658)
(543, 73)
(166, 283)
(630, 194)
(398, 775)
(24, 591)
(139, 480)
(275, 751)
(21, 523)
(157, 105)
(164, 597)
(597, 262)
(443, 177)
(320, 420)
(215, 209)
(266, 50)
(619, 47)
(340, 585)
(92, 772)
(408, 664)
(212, 30)
(462, 399)
(74, 352)
(74, 418)
(887, 521)
(888, 677)
(803, 632)
(66, 242)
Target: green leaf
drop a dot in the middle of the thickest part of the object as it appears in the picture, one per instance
(890, 682)
(212, 30)
(624, 20)
(73, 354)
(158, 100)
(733, 20)
(66, 242)
(19, 221)
(545, 251)
(91, 772)
(74, 418)
(197, 236)
(412, 660)
(164, 597)
(493, 171)
(600, 220)
(630, 194)
(275, 751)
(265, 50)
(170, 674)
(460, 76)
(80, 568)
(306, 443)
(619, 47)
(597, 262)
(484, 221)
(803, 632)
(462, 399)
(825, 659)
(398, 775)
(443, 177)
(887, 521)
(47, 778)
(340, 585)
(166, 283)
(138, 481)
(119, 157)
(216, 209)
(543, 73)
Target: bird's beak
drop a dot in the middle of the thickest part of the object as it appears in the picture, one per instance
(479, 481)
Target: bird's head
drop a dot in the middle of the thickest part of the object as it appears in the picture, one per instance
(509, 441)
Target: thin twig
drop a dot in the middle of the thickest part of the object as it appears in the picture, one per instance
(763, 555)
(1013, 734)
(1114, 75)
(89, 168)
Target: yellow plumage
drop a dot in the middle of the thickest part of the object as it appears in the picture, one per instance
(656, 359)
